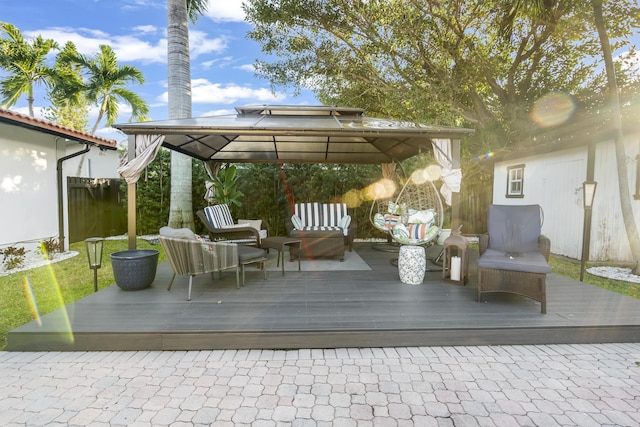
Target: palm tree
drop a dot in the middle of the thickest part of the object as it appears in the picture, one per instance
(179, 82)
(541, 9)
(25, 63)
(106, 82)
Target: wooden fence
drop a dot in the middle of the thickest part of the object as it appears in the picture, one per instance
(95, 208)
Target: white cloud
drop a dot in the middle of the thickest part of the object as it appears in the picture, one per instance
(130, 48)
(200, 44)
(205, 92)
(247, 67)
(146, 29)
(222, 62)
(225, 11)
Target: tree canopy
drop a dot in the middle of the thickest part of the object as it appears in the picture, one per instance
(440, 62)
(25, 61)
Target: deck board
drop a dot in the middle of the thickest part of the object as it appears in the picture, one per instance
(330, 309)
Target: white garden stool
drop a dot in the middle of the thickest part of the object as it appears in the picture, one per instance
(412, 263)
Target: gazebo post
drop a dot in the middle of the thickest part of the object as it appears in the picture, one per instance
(131, 197)
(455, 196)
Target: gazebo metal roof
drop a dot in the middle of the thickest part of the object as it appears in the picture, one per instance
(295, 134)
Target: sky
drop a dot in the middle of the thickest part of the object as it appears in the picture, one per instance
(222, 56)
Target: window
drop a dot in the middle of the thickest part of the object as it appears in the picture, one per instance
(515, 181)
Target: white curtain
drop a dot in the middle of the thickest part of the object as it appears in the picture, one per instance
(452, 178)
(147, 147)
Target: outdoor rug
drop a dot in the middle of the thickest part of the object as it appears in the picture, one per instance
(352, 261)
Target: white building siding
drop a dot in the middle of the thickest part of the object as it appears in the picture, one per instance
(608, 235)
(554, 181)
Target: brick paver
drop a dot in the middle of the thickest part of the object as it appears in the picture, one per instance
(543, 385)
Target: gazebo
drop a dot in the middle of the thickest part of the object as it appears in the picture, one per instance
(293, 134)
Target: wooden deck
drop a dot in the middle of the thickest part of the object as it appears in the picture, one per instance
(330, 309)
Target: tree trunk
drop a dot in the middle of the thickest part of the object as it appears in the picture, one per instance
(179, 81)
(616, 116)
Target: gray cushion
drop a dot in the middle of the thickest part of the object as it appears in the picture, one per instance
(514, 229)
(528, 262)
(248, 253)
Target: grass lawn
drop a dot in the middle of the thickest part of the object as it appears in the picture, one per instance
(57, 284)
(69, 280)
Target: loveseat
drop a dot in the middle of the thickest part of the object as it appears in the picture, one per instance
(324, 229)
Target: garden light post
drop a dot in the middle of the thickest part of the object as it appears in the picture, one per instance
(588, 193)
(94, 254)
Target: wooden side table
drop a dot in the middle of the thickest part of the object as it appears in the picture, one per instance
(279, 243)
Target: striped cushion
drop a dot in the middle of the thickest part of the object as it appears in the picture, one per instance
(417, 231)
(325, 216)
(219, 215)
(332, 213)
(309, 213)
(321, 228)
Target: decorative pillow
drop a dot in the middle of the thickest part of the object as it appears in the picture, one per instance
(415, 233)
(255, 223)
(178, 233)
(344, 222)
(379, 222)
(394, 208)
(390, 221)
(422, 217)
(422, 231)
(400, 232)
(297, 223)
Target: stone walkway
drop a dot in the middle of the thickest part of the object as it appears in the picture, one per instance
(547, 385)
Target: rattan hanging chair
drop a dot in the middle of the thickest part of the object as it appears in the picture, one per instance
(421, 214)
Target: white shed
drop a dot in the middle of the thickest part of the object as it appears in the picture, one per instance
(35, 161)
(552, 176)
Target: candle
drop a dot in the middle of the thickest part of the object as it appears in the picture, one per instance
(455, 268)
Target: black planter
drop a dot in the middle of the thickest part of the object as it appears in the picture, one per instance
(134, 269)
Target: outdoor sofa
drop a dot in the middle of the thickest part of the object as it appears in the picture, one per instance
(323, 228)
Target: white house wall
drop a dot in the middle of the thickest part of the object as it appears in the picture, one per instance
(97, 163)
(28, 190)
(554, 181)
(28, 183)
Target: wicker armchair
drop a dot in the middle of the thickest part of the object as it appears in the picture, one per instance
(220, 226)
(192, 257)
(514, 255)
